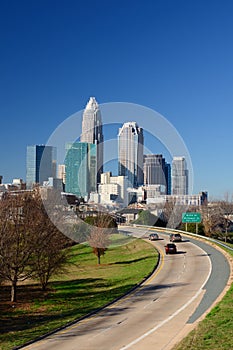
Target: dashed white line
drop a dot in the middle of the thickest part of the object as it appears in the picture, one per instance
(171, 316)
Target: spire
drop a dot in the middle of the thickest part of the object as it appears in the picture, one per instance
(92, 104)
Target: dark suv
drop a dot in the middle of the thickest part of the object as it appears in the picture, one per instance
(170, 248)
(175, 237)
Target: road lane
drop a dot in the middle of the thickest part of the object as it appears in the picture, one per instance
(218, 279)
(151, 316)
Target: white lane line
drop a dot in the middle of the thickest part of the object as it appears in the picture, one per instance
(171, 316)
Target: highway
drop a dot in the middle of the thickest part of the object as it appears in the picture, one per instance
(158, 313)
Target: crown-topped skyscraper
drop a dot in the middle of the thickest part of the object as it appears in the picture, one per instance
(92, 131)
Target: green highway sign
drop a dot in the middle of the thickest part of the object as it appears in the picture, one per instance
(191, 217)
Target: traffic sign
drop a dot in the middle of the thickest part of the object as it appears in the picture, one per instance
(191, 217)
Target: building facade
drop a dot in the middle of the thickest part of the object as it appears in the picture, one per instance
(130, 153)
(113, 189)
(154, 169)
(179, 176)
(152, 191)
(40, 164)
(92, 132)
(195, 200)
(81, 168)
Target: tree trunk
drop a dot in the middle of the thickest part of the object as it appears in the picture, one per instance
(98, 257)
(13, 290)
(226, 234)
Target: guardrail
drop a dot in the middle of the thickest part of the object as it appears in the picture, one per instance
(195, 235)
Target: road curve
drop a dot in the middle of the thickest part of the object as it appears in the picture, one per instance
(155, 315)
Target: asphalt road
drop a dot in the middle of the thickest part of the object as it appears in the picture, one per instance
(157, 314)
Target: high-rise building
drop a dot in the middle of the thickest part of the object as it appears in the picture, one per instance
(92, 132)
(157, 172)
(154, 169)
(130, 153)
(179, 176)
(80, 168)
(168, 177)
(41, 164)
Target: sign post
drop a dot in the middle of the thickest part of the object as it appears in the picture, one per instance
(189, 217)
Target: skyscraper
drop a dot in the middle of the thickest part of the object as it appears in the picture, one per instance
(41, 164)
(130, 153)
(154, 169)
(80, 168)
(179, 176)
(168, 177)
(92, 131)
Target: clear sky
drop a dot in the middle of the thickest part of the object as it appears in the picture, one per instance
(174, 56)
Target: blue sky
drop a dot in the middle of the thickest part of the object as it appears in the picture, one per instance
(175, 57)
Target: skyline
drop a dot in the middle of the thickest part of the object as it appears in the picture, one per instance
(131, 127)
(175, 58)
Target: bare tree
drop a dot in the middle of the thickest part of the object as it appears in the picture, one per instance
(212, 219)
(49, 256)
(16, 240)
(226, 208)
(172, 213)
(30, 244)
(99, 236)
(49, 260)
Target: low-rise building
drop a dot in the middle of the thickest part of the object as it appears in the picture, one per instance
(190, 200)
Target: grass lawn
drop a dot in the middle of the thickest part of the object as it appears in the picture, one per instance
(84, 288)
(215, 332)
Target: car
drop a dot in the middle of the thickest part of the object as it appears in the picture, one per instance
(170, 248)
(175, 237)
(153, 236)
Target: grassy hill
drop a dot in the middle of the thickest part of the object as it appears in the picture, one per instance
(85, 287)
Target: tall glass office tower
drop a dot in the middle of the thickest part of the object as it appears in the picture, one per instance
(80, 165)
(179, 176)
(92, 131)
(157, 171)
(130, 153)
(41, 164)
(154, 169)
